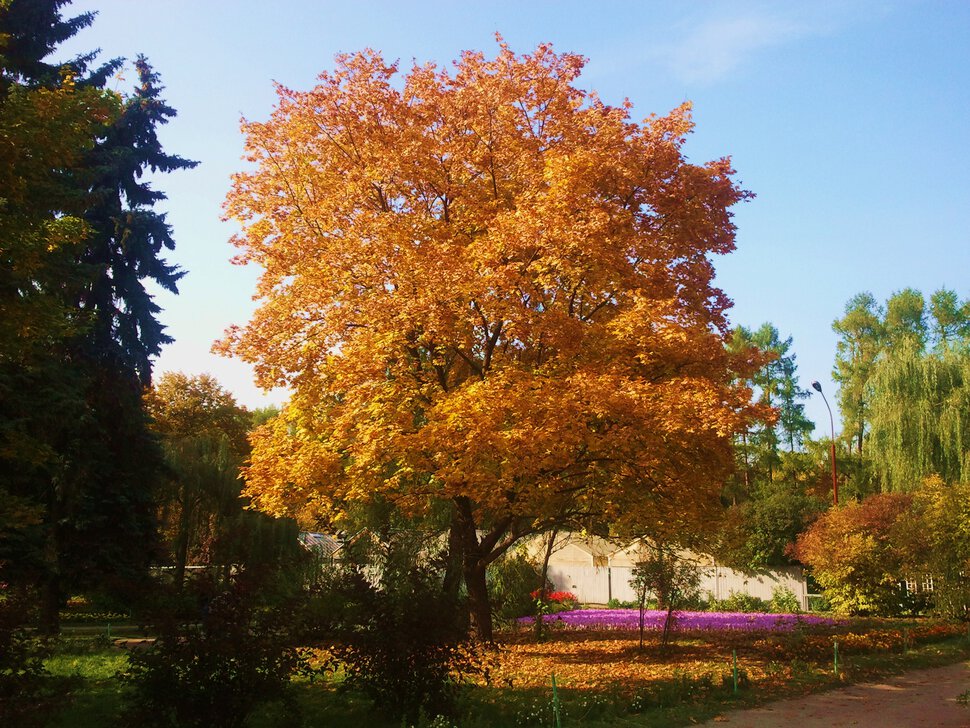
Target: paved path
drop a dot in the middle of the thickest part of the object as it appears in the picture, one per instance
(919, 699)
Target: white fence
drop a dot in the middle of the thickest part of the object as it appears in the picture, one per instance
(599, 584)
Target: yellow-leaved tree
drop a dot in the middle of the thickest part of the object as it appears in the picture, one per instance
(486, 288)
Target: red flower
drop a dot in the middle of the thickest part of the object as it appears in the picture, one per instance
(558, 597)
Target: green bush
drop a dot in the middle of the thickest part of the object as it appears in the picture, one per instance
(617, 604)
(399, 638)
(217, 672)
(784, 601)
(740, 602)
(697, 602)
(21, 664)
(819, 603)
(511, 581)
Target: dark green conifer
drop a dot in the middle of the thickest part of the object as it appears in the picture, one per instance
(79, 396)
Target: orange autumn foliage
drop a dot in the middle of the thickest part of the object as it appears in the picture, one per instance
(484, 285)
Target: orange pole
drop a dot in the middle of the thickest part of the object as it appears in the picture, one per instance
(835, 480)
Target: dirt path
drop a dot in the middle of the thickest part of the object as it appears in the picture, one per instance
(919, 699)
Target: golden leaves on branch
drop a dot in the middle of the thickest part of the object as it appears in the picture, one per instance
(483, 281)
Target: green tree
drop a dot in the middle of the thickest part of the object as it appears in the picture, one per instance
(740, 343)
(792, 421)
(109, 534)
(950, 322)
(758, 533)
(48, 126)
(128, 236)
(861, 334)
(767, 511)
(671, 578)
(776, 389)
(30, 31)
(906, 404)
(905, 322)
(768, 382)
(44, 135)
(71, 389)
(203, 433)
(920, 416)
(202, 512)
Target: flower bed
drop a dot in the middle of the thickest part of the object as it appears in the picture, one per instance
(625, 619)
(556, 596)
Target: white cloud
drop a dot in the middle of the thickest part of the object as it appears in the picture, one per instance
(705, 42)
(715, 47)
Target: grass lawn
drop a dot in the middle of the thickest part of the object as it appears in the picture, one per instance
(603, 678)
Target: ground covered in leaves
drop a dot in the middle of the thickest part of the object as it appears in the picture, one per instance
(611, 659)
(603, 677)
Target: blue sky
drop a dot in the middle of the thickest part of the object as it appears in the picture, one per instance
(849, 120)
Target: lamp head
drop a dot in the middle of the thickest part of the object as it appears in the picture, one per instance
(817, 387)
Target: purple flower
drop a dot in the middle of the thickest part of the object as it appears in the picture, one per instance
(654, 619)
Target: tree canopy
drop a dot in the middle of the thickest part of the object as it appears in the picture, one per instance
(489, 288)
(902, 372)
(203, 518)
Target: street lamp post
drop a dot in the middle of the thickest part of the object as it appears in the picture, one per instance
(835, 483)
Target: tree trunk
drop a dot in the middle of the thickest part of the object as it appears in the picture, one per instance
(747, 478)
(545, 560)
(453, 563)
(540, 617)
(479, 609)
(50, 608)
(182, 540)
(474, 563)
(642, 620)
(668, 626)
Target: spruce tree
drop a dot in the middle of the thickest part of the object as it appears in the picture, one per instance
(31, 31)
(120, 462)
(128, 237)
(78, 394)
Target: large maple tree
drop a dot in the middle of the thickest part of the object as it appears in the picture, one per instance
(486, 288)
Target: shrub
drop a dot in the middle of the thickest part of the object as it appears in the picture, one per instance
(854, 554)
(617, 604)
(819, 603)
(671, 579)
(399, 637)
(740, 602)
(21, 664)
(217, 672)
(784, 601)
(510, 581)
